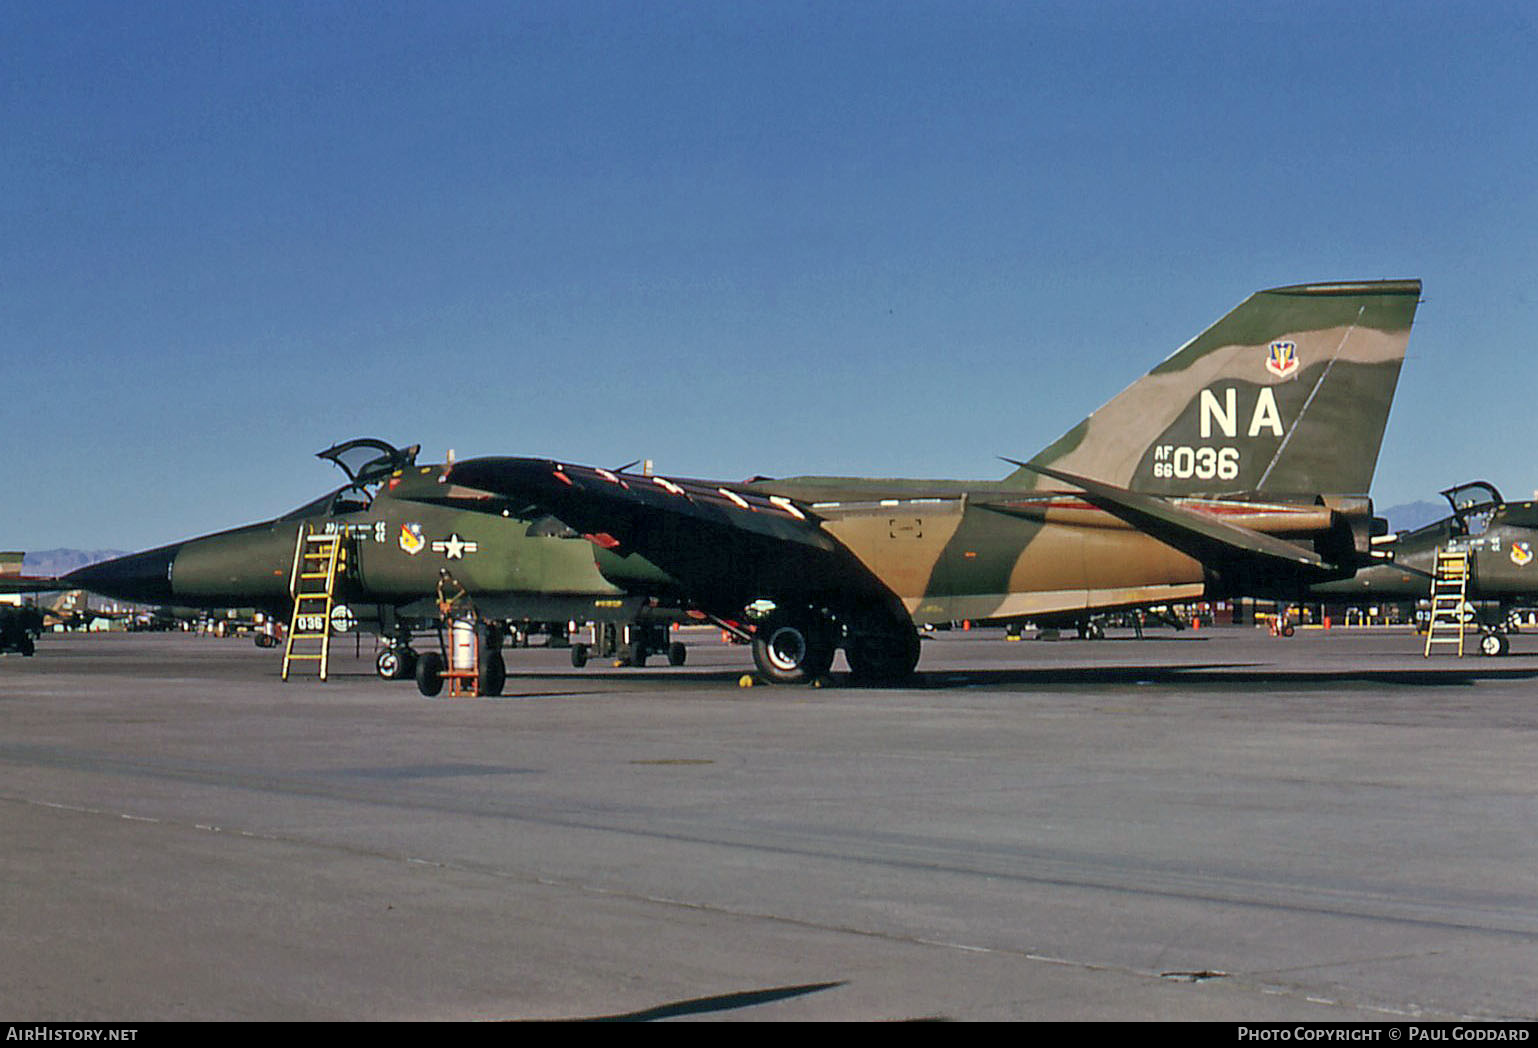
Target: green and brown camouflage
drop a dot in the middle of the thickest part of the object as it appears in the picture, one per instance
(1240, 465)
(403, 525)
(1500, 540)
(1289, 393)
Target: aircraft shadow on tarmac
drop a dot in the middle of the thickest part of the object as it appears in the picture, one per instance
(721, 1003)
(1219, 675)
(1215, 675)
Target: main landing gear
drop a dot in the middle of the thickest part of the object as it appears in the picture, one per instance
(883, 658)
(796, 646)
(791, 647)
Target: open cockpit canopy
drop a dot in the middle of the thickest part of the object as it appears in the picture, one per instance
(367, 463)
(367, 460)
(1472, 505)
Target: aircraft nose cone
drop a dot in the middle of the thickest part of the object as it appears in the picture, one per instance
(141, 577)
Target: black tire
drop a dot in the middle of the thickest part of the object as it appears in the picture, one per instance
(677, 653)
(430, 674)
(579, 655)
(888, 658)
(391, 664)
(1494, 644)
(636, 655)
(492, 673)
(793, 649)
(27, 645)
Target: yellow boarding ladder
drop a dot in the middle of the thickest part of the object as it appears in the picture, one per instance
(1449, 592)
(318, 558)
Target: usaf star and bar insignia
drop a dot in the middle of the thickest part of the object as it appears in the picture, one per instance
(454, 547)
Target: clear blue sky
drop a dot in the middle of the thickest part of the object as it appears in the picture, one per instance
(837, 237)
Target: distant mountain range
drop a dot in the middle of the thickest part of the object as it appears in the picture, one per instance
(1413, 515)
(63, 561)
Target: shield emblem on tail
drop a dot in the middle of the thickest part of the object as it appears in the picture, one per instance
(1283, 359)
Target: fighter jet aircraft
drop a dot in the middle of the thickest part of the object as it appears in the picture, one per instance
(405, 530)
(20, 626)
(1240, 465)
(1499, 538)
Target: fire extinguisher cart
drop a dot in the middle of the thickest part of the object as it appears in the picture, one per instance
(470, 659)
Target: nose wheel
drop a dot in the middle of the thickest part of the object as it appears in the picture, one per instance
(396, 663)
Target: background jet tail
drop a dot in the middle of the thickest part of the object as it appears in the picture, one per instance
(1287, 394)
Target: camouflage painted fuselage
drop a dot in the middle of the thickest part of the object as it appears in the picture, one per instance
(1240, 465)
(992, 553)
(398, 543)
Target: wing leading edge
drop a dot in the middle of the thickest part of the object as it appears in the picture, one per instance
(722, 546)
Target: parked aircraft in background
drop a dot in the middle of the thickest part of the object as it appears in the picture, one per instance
(20, 626)
(1499, 538)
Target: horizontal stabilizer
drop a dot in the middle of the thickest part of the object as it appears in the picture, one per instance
(32, 584)
(1233, 550)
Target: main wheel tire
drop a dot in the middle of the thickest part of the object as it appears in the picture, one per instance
(579, 655)
(635, 655)
(793, 649)
(1494, 644)
(887, 658)
(492, 673)
(677, 653)
(430, 674)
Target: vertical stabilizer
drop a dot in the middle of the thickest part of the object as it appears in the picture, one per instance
(1287, 394)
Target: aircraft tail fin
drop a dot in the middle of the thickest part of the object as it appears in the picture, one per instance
(1287, 394)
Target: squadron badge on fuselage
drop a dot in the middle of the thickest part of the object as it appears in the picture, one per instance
(411, 539)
